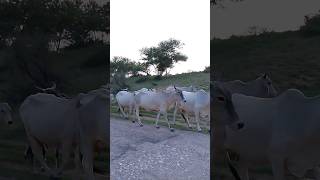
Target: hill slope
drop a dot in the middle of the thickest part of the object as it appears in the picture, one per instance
(292, 60)
(197, 79)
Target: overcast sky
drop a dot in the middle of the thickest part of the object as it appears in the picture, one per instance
(278, 15)
(144, 23)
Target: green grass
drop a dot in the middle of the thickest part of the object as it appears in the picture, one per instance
(292, 60)
(197, 79)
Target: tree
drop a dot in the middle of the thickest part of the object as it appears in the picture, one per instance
(311, 26)
(163, 56)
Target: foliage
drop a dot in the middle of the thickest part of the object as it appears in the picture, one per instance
(120, 67)
(311, 27)
(206, 69)
(74, 21)
(292, 60)
(163, 56)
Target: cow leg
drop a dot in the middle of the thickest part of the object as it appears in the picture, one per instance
(317, 172)
(37, 152)
(243, 171)
(277, 162)
(66, 148)
(175, 113)
(57, 158)
(130, 113)
(165, 114)
(197, 113)
(137, 115)
(87, 160)
(123, 114)
(186, 119)
(77, 162)
(158, 117)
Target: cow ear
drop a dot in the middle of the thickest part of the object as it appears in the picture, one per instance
(8, 106)
(265, 75)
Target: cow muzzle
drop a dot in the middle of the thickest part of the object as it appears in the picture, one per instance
(240, 125)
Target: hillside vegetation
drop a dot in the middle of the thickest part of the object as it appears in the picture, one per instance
(197, 79)
(292, 60)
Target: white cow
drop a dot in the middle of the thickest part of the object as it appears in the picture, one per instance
(125, 99)
(159, 101)
(65, 123)
(5, 113)
(281, 131)
(195, 103)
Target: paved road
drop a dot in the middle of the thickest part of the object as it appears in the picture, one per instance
(147, 153)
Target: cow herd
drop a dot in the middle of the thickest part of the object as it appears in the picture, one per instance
(184, 100)
(255, 122)
(264, 128)
(66, 125)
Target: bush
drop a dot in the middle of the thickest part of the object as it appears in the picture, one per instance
(158, 77)
(142, 79)
(311, 27)
(99, 59)
(206, 70)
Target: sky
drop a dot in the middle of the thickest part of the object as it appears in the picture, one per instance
(144, 23)
(278, 15)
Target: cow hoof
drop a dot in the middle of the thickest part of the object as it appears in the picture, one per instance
(189, 127)
(199, 130)
(157, 127)
(42, 169)
(126, 118)
(171, 129)
(141, 125)
(133, 121)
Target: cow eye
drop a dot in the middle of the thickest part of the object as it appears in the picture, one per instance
(221, 98)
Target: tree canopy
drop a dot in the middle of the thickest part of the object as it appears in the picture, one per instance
(164, 55)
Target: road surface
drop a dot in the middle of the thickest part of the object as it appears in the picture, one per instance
(147, 153)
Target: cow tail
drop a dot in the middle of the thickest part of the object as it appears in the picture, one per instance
(231, 167)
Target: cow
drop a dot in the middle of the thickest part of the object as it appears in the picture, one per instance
(5, 113)
(196, 103)
(260, 87)
(282, 131)
(63, 123)
(125, 99)
(159, 101)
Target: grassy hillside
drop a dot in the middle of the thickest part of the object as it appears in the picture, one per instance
(292, 60)
(197, 79)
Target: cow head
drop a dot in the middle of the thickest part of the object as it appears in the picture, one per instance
(267, 85)
(5, 113)
(180, 94)
(222, 104)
